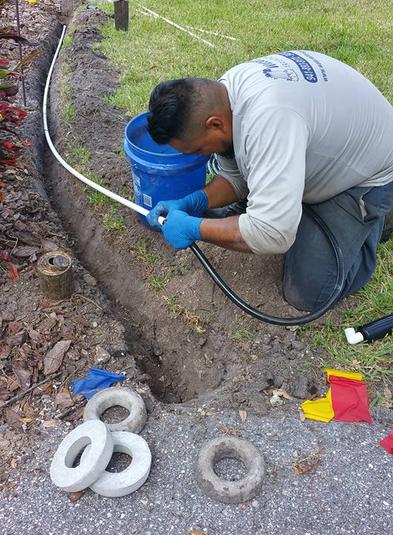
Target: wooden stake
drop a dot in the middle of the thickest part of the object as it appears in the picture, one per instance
(121, 15)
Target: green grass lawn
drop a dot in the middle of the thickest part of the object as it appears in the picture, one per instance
(356, 32)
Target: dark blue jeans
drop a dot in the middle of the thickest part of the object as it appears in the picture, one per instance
(356, 218)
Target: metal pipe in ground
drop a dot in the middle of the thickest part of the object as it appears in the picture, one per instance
(55, 274)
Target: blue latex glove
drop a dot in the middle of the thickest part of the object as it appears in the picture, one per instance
(181, 230)
(194, 204)
(95, 380)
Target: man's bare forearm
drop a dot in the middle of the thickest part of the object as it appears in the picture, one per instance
(224, 233)
(220, 192)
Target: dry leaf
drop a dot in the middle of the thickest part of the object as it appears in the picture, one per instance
(24, 251)
(49, 245)
(281, 392)
(26, 420)
(12, 383)
(75, 496)
(230, 431)
(22, 372)
(12, 419)
(308, 464)
(4, 350)
(28, 410)
(14, 327)
(49, 424)
(35, 336)
(54, 358)
(4, 394)
(63, 400)
(243, 416)
(16, 339)
(47, 324)
(28, 238)
(197, 532)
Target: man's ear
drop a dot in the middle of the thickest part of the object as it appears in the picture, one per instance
(214, 122)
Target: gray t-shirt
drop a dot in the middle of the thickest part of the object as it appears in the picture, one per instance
(306, 127)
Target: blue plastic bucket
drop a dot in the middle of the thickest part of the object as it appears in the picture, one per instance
(160, 172)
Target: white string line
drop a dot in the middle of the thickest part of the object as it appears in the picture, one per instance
(155, 16)
(181, 28)
(212, 33)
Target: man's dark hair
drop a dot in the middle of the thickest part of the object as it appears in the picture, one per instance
(171, 106)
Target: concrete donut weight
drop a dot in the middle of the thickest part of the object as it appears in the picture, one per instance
(126, 398)
(223, 490)
(95, 437)
(117, 484)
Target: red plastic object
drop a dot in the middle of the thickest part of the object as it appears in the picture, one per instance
(349, 400)
(387, 443)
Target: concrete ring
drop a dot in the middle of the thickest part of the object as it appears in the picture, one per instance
(117, 484)
(221, 489)
(110, 397)
(97, 437)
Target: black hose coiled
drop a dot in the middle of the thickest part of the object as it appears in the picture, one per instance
(275, 320)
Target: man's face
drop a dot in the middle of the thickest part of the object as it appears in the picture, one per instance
(215, 137)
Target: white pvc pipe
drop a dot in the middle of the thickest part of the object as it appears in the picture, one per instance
(73, 171)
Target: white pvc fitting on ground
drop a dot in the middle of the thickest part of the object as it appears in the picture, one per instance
(352, 336)
(97, 437)
(123, 397)
(117, 484)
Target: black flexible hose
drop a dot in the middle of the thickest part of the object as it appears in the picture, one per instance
(267, 318)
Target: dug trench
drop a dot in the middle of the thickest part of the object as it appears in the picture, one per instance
(192, 345)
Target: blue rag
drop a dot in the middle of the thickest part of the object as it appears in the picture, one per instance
(96, 379)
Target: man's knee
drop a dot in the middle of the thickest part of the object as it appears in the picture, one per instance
(296, 297)
(303, 294)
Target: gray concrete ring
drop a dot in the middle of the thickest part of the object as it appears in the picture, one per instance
(117, 484)
(221, 489)
(110, 397)
(93, 436)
